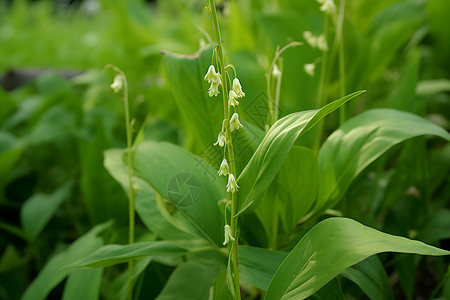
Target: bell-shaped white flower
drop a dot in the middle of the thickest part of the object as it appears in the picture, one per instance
(228, 236)
(232, 185)
(212, 75)
(117, 84)
(328, 6)
(224, 169)
(221, 139)
(310, 38)
(237, 88)
(214, 89)
(322, 43)
(276, 72)
(234, 122)
(310, 69)
(232, 98)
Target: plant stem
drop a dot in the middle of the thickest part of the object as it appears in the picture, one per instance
(221, 65)
(341, 59)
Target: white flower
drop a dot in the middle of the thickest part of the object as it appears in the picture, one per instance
(214, 78)
(232, 185)
(228, 236)
(232, 98)
(224, 169)
(328, 6)
(237, 88)
(309, 69)
(212, 75)
(276, 72)
(221, 139)
(310, 38)
(322, 43)
(214, 89)
(234, 122)
(117, 84)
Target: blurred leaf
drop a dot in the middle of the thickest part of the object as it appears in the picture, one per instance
(332, 290)
(37, 211)
(437, 227)
(258, 265)
(115, 254)
(371, 277)
(359, 142)
(431, 87)
(145, 201)
(83, 284)
(190, 281)
(54, 270)
(188, 182)
(202, 113)
(329, 248)
(10, 152)
(265, 163)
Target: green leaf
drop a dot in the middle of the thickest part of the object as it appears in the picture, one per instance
(359, 142)
(54, 270)
(332, 290)
(273, 150)
(258, 265)
(190, 281)
(188, 182)
(202, 114)
(115, 254)
(145, 201)
(83, 284)
(437, 227)
(37, 211)
(371, 277)
(329, 248)
(221, 290)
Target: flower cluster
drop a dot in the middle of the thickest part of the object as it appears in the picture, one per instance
(327, 6)
(318, 42)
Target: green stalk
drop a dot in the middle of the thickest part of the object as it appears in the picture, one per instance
(321, 93)
(221, 65)
(131, 214)
(341, 59)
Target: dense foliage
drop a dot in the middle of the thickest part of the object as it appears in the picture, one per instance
(342, 160)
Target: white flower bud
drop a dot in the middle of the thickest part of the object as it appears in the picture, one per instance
(232, 185)
(234, 122)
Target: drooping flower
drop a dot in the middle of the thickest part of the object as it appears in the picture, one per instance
(322, 43)
(214, 89)
(228, 236)
(232, 98)
(328, 6)
(309, 69)
(234, 122)
(310, 38)
(224, 169)
(237, 88)
(221, 139)
(213, 77)
(232, 185)
(117, 84)
(276, 72)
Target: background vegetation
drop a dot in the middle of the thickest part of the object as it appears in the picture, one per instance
(58, 116)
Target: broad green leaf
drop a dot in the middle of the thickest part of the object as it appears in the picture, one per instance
(190, 281)
(118, 289)
(202, 113)
(145, 201)
(273, 150)
(115, 254)
(258, 265)
(329, 248)
(371, 277)
(188, 182)
(332, 290)
(54, 270)
(37, 211)
(83, 284)
(359, 142)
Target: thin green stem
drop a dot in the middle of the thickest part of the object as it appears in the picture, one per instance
(341, 59)
(226, 107)
(321, 92)
(131, 213)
